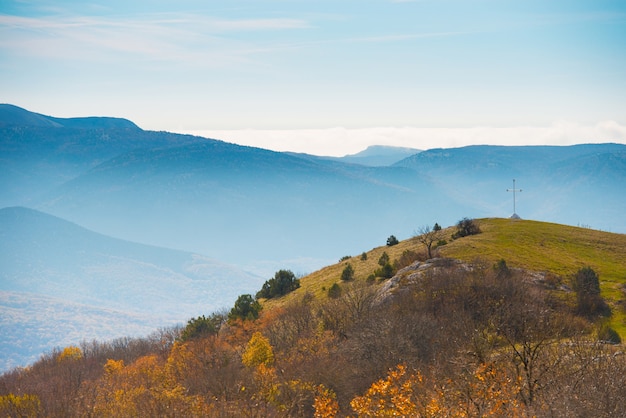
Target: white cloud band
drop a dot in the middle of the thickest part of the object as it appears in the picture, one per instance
(342, 141)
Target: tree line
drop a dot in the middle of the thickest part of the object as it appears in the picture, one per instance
(463, 340)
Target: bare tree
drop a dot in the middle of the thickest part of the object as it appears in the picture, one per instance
(429, 236)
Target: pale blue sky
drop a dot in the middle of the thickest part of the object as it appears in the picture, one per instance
(327, 77)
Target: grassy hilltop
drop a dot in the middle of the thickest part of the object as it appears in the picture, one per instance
(558, 250)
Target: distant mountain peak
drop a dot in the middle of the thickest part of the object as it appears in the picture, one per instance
(379, 155)
(11, 115)
(380, 150)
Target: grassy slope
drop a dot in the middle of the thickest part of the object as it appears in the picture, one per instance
(554, 248)
(538, 246)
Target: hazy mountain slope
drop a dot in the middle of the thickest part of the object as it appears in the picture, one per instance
(376, 156)
(228, 201)
(56, 266)
(40, 152)
(32, 324)
(241, 203)
(577, 185)
(11, 115)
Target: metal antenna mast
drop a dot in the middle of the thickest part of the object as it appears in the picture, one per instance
(514, 190)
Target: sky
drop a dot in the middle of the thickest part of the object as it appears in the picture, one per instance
(326, 77)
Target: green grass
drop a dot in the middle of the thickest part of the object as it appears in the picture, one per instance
(553, 248)
(539, 246)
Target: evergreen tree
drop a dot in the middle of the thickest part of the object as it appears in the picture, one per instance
(348, 273)
(246, 307)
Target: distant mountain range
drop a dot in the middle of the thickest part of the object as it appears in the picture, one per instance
(223, 200)
(251, 208)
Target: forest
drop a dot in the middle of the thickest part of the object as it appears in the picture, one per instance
(442, 338)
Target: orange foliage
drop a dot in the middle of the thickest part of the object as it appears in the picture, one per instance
(144, 388)
(492, 393)
(488, 393)
(393, 396)
(326, 405)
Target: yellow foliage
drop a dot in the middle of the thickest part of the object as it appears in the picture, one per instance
(258, 351)
(488, 392)
(25, 406)
(269, 387)
(326, 405)
(392, 396)
(492, 393)
(70, 353)
(113, 366)
(144, 388)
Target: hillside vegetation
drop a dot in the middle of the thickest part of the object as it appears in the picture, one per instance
(558, 250)
(554, 249)
(489, 329)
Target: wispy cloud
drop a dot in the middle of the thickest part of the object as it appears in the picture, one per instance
(157, 37)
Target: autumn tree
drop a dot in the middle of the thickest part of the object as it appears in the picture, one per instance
(258, 351)
(25, 406)
(145, 388)
(325, 404)
(207, 366)
(70, 373)
(531, 330)
(395, 395)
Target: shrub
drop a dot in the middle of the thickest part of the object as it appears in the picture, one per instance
(284, 281)
(466, 227)
(364, 256)
(348, 273)
(501, 269)
(387, 271)
(407, 258)
(344, 258)
(586, 283)
(608, 334)
(246, 307)
(334, 291)
(202, 326)
(384, 259)
(392, 240)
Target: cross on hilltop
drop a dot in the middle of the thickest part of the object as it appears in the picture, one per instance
(514, 190)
